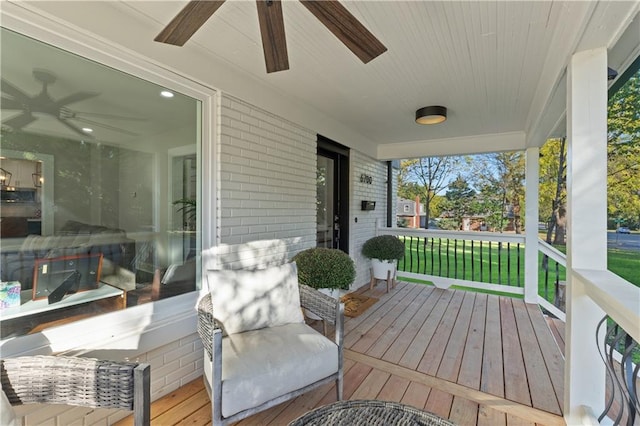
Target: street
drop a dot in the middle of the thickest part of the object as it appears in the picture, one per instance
(623, 241)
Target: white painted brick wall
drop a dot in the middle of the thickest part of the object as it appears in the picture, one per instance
(267, 177)
(365, 226)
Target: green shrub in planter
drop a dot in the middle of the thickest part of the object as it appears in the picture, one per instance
(325, 268)
(384, 247)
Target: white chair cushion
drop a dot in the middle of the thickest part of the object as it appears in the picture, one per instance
(260, 365)
(7, 415)
(249, 300)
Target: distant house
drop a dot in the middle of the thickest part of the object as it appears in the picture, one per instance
(408, 213)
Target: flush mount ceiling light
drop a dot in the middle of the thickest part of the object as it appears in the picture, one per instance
(166, 94)
(431, 115)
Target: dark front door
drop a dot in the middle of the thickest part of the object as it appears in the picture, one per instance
(332, 195)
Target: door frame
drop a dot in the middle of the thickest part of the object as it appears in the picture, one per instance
(340, 154)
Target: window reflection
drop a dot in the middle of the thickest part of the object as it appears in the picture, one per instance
(101, 211)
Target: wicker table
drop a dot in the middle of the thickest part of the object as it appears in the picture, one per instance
(362, 412)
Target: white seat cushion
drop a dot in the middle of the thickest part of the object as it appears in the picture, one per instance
(261, 365)
(249, 300)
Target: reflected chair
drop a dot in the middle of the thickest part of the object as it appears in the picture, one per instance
(84, 382)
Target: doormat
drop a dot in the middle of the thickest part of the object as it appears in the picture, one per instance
(355, 304)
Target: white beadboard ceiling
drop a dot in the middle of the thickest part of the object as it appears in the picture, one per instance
(496, 65)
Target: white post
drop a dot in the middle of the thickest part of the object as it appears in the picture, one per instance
(587, 226)
(531, 225)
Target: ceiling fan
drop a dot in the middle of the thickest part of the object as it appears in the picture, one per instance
(331, 13)
(16, 99)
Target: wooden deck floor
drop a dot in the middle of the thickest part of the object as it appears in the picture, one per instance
(473, 358)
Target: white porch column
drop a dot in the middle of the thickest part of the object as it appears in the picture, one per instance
(531, 225)
(587, 226)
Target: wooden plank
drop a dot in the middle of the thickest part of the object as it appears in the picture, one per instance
(169, 401)
(394, 390)
(303, 404)
(516, 388)
(355, 328)
(471, 368)
(518, 421)
(450, 365)
(379, 329)
(553, 358)
(435, 351)
(498, 403)
(540, 386)
(439, 403)
(371, 385)
(384, 342)
(415, 351)
(409, 332)
(463, 411)
(416, 395)
(552, 323)
(492, 360)
(183, 409)
(201, 417)
(489, 417)
(385, 303)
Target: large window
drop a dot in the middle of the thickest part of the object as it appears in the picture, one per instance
(100, 174)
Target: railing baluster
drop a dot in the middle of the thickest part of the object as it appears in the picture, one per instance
(455, 259)
(464, 260)
(546, 277)
(424, 253)
(481, 265)
(490, 263)
(509, 264)
(621, 375)
(472, 262)
(518, 249)
(439, 257)
(411, 257)
(432, 258)
(499, 262)
(448, 257)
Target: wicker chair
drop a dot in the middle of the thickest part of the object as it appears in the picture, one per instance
(266, 366)
(327, 308)
(78, 381)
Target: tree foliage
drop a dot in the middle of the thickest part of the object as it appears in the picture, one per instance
(623, 126)
(425, 177)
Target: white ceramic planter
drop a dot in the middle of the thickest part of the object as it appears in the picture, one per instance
(381, 268)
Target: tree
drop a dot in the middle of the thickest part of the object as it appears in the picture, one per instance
(500, 179)
(429, 174)
(553, 188)
(624, 153)
(460, 197)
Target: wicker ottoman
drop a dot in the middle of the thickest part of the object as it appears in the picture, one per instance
(361, 412)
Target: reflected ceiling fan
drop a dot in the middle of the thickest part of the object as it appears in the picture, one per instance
(331, 13)
(16, 99)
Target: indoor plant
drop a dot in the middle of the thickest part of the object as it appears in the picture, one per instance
(383, 251)
(325, 268)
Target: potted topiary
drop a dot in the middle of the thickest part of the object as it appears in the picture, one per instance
(383, 251)
(325, 268)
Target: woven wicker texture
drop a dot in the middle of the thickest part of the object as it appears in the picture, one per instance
(369, 413)
(68, 380)
(320, 304)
